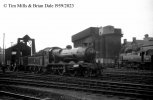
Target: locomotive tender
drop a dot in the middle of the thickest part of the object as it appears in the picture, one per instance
(55, 60)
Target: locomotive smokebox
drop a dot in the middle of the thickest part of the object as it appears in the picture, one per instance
(90, 54)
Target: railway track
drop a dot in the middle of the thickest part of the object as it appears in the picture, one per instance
(131, 78)
(24, 92)
(115, 77)
(126, 77)
(15, 96)
(80, 84)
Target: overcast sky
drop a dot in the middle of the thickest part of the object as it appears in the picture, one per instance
(55, 26)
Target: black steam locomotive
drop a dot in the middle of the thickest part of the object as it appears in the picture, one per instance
(142, 59)
(55, 60)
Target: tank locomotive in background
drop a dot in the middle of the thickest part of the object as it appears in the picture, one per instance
(55, 60)
(142, 59)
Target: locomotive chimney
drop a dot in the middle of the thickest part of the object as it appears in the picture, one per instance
(146, 35)
(134, 39)
(125, 41)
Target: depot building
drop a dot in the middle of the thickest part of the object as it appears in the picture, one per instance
(105, 40)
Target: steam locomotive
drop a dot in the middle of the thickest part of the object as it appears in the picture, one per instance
(142, 59)
(55, 60)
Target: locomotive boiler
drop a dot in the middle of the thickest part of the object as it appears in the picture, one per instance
(75, 55)
(55, 60)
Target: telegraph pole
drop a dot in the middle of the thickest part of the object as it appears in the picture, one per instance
(3, 48)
